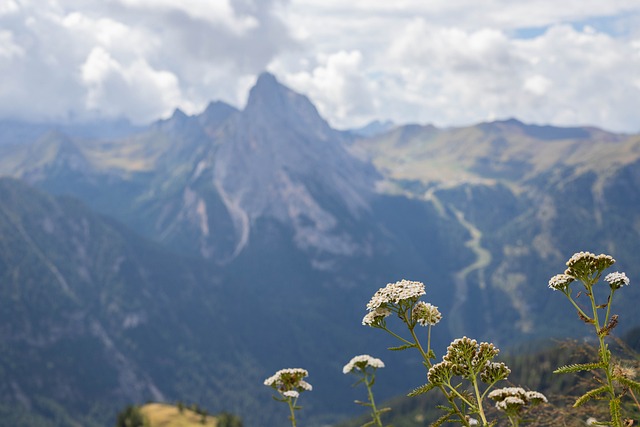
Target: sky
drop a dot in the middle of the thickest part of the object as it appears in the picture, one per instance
(440, 62)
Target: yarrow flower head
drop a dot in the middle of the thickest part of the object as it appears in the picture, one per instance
(494, 372)
(582, 265)
(426, 314)
(360, 363)
(440, 373)
(617, 280)
(375, 317)
(560, 282)
(395, 293)
(513, 399)
(288, 380)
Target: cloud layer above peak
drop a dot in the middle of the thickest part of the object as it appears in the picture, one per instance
(443, 62)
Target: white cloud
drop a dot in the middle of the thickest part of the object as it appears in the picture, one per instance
(151, 93)
(151, 56)
(214, 11)
(445, 62)
(8, 46)
(337, 85)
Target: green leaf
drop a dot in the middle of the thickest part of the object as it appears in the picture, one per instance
(579, 367)
(628, 383)
(402, 347)
(590, 395)
(421, 390)
(443, 419)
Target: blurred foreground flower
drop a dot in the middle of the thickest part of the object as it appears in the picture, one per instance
(365, 366)
(289, 383)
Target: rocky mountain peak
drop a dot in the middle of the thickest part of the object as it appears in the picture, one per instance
(271, 103)
(297, 164)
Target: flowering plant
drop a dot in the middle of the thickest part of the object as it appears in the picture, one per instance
(289, 383)
(587, 268)
(465, 360)
(365, 366)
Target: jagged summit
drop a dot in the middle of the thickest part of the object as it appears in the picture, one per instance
(270, 102)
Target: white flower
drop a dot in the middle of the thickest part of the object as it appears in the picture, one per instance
(305, 385)
(290, 379)
(535, 397)
(426, 314)
(473, 422)
(510, 403)
(617, 280)
(503, 393)
(396, 292)
(291, 393)
(361, 362)
(591, 421)
(584, 264)
(559, 282)
(373, 317)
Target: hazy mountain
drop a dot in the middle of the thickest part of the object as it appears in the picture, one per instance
(374, 128)
(271, 231)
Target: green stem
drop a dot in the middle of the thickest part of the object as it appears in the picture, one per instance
(416, 341)
(397, 336)
(474, 380)
(606, 317)
(461, 397)
(292, 411)
(605, 355)
(576, 305)
(515, 422)
(375, 414)
(449, 397)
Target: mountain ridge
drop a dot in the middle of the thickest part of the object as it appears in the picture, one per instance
(268, 231)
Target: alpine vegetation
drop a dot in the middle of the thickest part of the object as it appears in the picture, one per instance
(365, 367)
(289, 383)
(467, 371)
(613, 380)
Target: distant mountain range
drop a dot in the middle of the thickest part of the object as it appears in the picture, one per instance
(192, 258)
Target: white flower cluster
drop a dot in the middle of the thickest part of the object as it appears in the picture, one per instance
(375, 316)
(583, 264)
(361, 362)
(559, 282)
(510, 403)
(617, 280)
(513, 399)
(290, 379)
(426, 314)
(396, 292)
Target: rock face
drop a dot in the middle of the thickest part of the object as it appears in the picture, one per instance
(275, 155)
